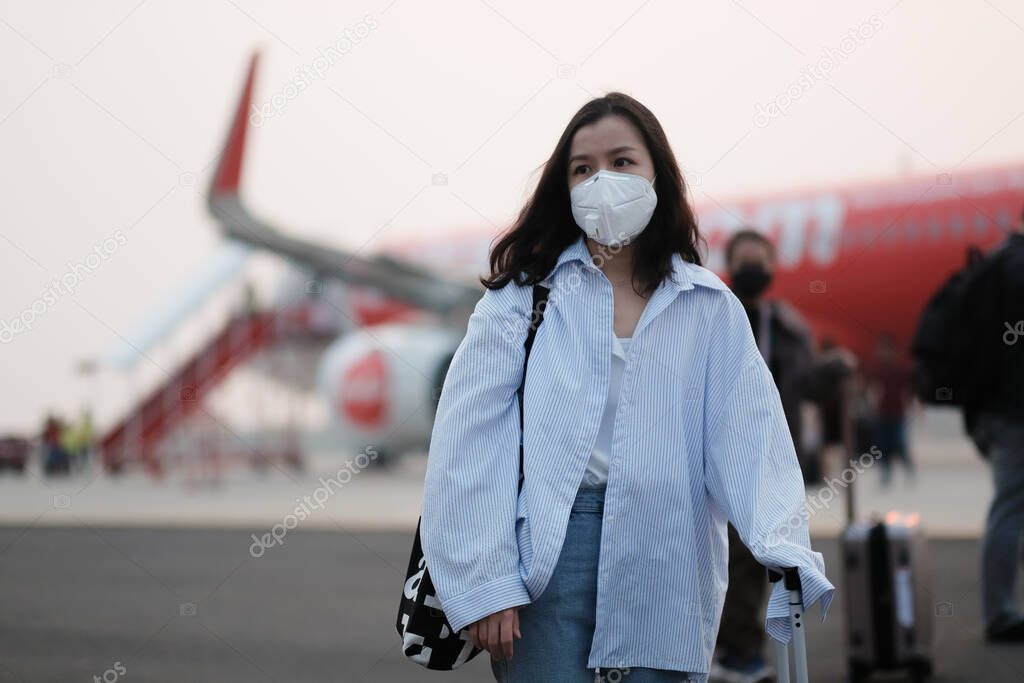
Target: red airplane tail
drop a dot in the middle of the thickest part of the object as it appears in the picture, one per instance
(229, 170)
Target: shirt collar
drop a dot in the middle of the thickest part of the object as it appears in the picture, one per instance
(686, 274)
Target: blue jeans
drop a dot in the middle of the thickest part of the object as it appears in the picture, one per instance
(558, 626)
(1004, 529)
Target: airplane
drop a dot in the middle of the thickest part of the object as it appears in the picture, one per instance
(856, 262)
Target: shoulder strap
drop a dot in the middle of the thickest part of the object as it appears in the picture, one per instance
(540, 304)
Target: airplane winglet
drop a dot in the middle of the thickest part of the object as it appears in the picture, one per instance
(229, 171)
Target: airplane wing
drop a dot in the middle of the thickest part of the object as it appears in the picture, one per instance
(402, 281)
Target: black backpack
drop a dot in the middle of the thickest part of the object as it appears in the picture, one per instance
(952, 350)
(427, 637)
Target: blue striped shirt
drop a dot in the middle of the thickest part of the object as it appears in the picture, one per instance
(699, 438)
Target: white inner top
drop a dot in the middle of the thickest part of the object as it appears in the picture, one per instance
(597, 467)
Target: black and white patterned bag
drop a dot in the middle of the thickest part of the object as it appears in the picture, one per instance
(427, 637)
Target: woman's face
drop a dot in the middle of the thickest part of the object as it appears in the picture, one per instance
(609, 144)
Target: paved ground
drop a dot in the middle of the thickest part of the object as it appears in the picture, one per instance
(154, 581)
(193, 605)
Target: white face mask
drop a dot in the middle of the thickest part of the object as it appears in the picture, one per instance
(612, 208)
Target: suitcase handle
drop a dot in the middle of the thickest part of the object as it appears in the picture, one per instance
(796, 622)
(792, 576)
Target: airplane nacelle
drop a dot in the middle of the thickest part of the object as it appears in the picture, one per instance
(382, 384)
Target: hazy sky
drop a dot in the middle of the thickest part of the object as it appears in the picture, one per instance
(111, 113)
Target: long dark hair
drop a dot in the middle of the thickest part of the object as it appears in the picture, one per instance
(545, 226)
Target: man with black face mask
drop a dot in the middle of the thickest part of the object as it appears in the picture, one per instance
(785, 341)
(781, 333)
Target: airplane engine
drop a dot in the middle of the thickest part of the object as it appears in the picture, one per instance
(382, 383)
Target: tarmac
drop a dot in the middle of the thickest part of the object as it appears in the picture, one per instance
(195, 605)
(165, 580)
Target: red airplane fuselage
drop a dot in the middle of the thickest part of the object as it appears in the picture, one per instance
(863, 261)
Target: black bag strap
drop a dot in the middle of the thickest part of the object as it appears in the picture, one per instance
(540, 304)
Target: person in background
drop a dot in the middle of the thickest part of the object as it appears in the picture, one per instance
(999, 429)
(55, 457)
(79, 440)
(827, 395)
(69, 443)
(863, 413)
(890, 388)
(786, 344)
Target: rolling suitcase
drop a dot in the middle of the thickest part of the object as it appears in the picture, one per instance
(886, 579)
(888, 597)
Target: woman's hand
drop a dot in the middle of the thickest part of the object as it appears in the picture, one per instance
(494, 632)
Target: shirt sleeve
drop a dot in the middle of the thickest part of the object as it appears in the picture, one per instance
(469, 500)
(753, 473)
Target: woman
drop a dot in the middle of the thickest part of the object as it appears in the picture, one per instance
(650, 419)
